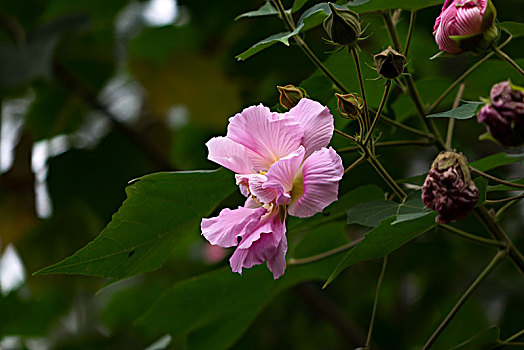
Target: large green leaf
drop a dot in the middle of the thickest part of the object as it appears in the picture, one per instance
(376, 5)
(466, 111)
(496, 160)
(160, 210)
(223, 304)
(515, 28)
(265, 10)
(382, 240)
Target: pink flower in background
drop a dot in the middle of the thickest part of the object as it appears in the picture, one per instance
(465, 18)
(283, 167)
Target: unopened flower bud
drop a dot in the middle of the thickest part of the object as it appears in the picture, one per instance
(504, 116)
(350, 105)
(449, 189)
(466, 25)
(342, 26)
(390, 64)
(290, 95)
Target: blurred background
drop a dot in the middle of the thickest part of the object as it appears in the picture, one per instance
(95, 93)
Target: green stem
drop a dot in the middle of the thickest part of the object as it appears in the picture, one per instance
(354, 52)
(385, 176)
(406, 128)
(515, 336)
(492, 264)
(305, 48)
(464, 76)
(451, 123)
(393, 34)
(412, 18)
(503, 200)
(351, 138)
(508, 59)
(375, 303)
(355, 164)
(472, 237)
(390, 144)
(496, 179)
(379, 111)
(325, 254)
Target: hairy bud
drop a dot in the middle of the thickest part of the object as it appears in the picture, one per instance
(342, 26)
(290, 95)
(448, 188)
(390, 63)
(504, 116)
(350, 105)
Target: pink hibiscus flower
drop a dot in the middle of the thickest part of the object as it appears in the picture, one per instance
(283, 167)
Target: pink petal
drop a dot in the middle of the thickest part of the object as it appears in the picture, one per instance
(229, 154)
(277, 264)
(317, 122)
(321, 173)
(255, 184)
(224, 229)
(282, 174)
(266, 136)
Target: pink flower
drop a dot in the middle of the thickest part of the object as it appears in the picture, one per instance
(283, 167)
(465, 25)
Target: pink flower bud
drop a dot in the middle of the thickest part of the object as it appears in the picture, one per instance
(466, 25)
(504, 116)
(448, 188)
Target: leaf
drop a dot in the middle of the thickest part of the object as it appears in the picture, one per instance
(466, 111)
(160, 209)
(482, 185)
(370, 214)
(382, 240)
(265, 10)
(264, 44)
(412, 208)
(298, 4)
(223, 304)
(376, 5)
(339, 208)
(505, 187)
(515, 28)
(483, 340)
(496, 160)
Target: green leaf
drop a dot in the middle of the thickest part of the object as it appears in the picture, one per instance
(264, 44)
(370, 214)
(515, 28)
(298, 4)
(505, 187)
(223, 303)
(160, 209)
(382, 240)
(482, 185)
(466, 111)
(483, 340)
(377, 5)
(496, 160)
(265, 10)
(412, 208)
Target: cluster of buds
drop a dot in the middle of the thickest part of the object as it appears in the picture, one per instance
(504, 115)
(290, 95)
(390, 63)
(448, 188)
(342, 26)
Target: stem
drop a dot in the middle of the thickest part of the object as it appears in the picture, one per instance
(496, 179)
(375, 303)
(325, 254)
(473, 238)
(385, 176)
(508, 59)
(354, 52)
(412, 18)
(406, 128)
(451, 123)
(492, 264)
(503, 200)
(379, 111)
(355, 164)
(496, 232)
(464, 76)
(351, 138)
(515, 336)
(305, 48)
(390, 144)
(393, 34)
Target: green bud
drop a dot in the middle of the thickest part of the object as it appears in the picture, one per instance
(342, 26)
(290, 95)
(390, 64)
(350, 105)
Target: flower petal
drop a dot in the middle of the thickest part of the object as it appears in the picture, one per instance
(224, 229)
(317, 122)
(266, 136)
(229, 154)
(255, 184)
(321, 173)
(282, 174)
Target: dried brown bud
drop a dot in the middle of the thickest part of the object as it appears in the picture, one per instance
(350, 105)
(390, 64)
(448, 188)
(290, 95)
(342, 26)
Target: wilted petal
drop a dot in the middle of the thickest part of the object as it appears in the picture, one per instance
(267, 137)
(229, 154)
(224, 229)
(321, 173)
(317, 123)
